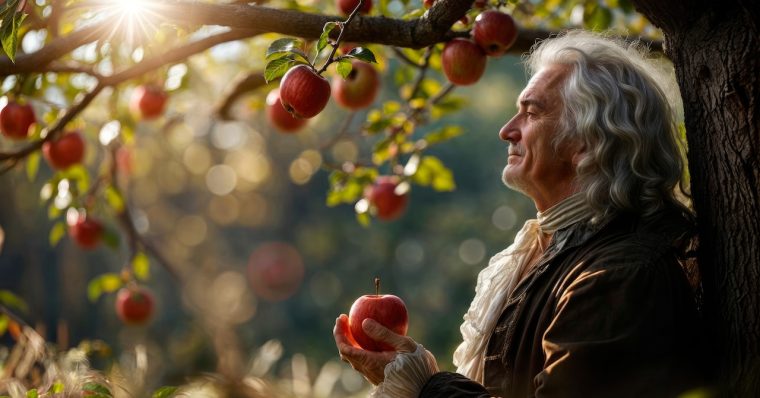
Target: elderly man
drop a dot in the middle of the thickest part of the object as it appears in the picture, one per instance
(592, 298)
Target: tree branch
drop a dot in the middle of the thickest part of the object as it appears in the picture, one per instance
(242, 85)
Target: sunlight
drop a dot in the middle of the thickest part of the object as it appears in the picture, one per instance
(132, 19)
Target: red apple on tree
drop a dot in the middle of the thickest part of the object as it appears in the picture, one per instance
(15, 120)
(386, 309)
(463, 61)
(134, 305)
(347, 6)
(280, 118)
(303, 92)
(64, 152)
(383, 197)
(495, 32)
(359, 88)
(86, 231)
(275, 271)
(148, 101)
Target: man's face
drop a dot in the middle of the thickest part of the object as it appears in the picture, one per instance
(533, 166)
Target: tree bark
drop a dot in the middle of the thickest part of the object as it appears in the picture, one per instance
(716, 54)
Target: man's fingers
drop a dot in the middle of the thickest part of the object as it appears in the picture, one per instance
(380, 333)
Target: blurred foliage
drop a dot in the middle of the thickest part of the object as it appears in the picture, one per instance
(201, 195)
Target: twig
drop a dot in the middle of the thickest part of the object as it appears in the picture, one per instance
(343, 26)
(341, 132)
(400, 54)
(242, 85)
(421, 76)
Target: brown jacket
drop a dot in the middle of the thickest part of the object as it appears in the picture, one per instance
(607, 312)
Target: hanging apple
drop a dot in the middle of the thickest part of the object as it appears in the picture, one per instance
(64, 152)
(359, 89)
(347, 6)
(15, 120)
(495, 32)
(386, 309)
(382, 196)
(86, 231)
(463, 61)
(148, 101)
(275, 271)
(134, 305)
(303, 92)
(280, 118)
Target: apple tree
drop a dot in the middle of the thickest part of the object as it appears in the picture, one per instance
(86, 81)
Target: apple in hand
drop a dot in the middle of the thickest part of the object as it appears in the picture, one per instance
(134, 305)
(359, 88)
(383, 197)
(347, 6)
(279, 117)
(495, 32)
(64, 152)
(148, 101)
(15, 120)
(386, 309)
(86, 231)
(463, 61)
(303, 92)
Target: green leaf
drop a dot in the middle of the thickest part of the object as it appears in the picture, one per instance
(165, 392)
(111, 238)
(276, 68)
(114, 199)
(57, 232)
(94, 290)
(141, 266)
(32, 393)
(284, 45)
(432, 172)
(3, 324)
(32, 165)
(362, 53)
(9, 33)
(443, 134)
(325, 36)
(110, 283)
(99, 390)
(597, 17)
(58, 387)
(11, 300)
(364, 219)
(344, 67)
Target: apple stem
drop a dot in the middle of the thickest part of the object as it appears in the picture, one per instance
(377, 286)
(335, 46)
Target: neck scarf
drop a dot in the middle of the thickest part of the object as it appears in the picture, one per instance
(497, 281)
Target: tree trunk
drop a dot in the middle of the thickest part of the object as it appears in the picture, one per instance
(716, 54)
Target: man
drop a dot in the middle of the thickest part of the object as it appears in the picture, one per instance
(591, 300)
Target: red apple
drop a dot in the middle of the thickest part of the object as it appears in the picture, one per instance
(303, 92)
(275, 271)
(148, 101)
(86, 231)
(279, 117)
(386, 309)
(495, 32)
(64, 152)
(480, 3)
(347, 6)
(428, 3)
(463, 61)
(15, 120)
(383, 197)
(359, 88)
(134, 305)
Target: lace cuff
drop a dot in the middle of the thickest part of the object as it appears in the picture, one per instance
(406, 374)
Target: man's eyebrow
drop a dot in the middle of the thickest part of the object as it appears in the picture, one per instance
(530, 102)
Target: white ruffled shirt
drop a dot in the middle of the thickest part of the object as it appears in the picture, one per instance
(408, 372)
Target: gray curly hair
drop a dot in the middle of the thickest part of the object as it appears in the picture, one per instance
(615, 105)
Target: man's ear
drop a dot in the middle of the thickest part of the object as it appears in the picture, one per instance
(579, 153)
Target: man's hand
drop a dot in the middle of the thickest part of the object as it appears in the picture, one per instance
(369, 363)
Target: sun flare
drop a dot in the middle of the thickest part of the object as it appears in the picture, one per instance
(133, 19)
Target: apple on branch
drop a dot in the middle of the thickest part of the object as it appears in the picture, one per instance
(386, 309)
(384, 197)
(134, 305)
(463, 61)
(86, 231)
(15, 120)
(279, 117)
(148, 101)
(64, 152)
(359, 89)
(347, 6)
(303, 92)
(495, 32)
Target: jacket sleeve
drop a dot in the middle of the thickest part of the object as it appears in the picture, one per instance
(622, 330)
(452, 385)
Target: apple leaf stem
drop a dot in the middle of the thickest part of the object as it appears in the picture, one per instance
(421, 75)
(342, 26)
(377, 286)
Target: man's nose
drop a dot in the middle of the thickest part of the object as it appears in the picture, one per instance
(510, 132)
